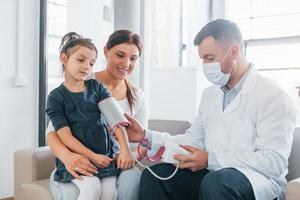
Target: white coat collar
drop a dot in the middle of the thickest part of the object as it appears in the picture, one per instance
(247, 88)
(251, 81)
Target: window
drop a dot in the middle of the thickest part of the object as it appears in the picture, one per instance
(270, 31)
(57, 27)
(90, 18)
(272, 38)
(95, 22)
(173, 25)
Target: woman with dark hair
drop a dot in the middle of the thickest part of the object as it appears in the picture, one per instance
(122, 52)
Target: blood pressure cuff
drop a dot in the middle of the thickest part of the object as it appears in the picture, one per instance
(113, 113)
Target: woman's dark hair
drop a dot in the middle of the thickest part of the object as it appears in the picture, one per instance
(126, 36)
(72, 40)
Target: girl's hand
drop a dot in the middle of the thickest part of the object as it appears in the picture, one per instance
(125, 160)
(78, 164)
(101, 160)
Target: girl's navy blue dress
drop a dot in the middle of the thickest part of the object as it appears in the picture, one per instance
(80, 112)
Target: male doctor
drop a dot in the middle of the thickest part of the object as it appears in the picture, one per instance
(242, 137)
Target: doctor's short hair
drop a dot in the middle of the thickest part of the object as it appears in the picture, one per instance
(221, 30)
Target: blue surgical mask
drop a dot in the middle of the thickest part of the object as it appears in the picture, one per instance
(214, 74)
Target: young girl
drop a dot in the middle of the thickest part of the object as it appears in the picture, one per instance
(122, 51)
(73, 110)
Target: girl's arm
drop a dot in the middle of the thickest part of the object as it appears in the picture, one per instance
(74, 145)
(111, 109)
(125, 159)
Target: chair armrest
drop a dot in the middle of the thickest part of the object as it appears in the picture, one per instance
(173, 127)
(293, 190)
(31, 165)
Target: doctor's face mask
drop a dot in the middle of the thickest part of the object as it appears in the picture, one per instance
(213, 72)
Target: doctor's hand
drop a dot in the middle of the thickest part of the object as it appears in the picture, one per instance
(134, 130)
(196, 161)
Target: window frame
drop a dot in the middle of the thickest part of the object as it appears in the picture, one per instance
(272, 41)
(266, 40)
(42, 74)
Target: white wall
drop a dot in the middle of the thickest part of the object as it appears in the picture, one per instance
(19, 105)
(126, 16)
(175, 93)
(86, 18)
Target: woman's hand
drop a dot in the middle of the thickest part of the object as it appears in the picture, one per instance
(101, 160)
(125, 160)
(134, 130)
(78, 164)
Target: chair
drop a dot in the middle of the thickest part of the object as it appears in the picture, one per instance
(32, 167)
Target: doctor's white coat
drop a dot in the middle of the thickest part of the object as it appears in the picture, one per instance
(253, 134)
